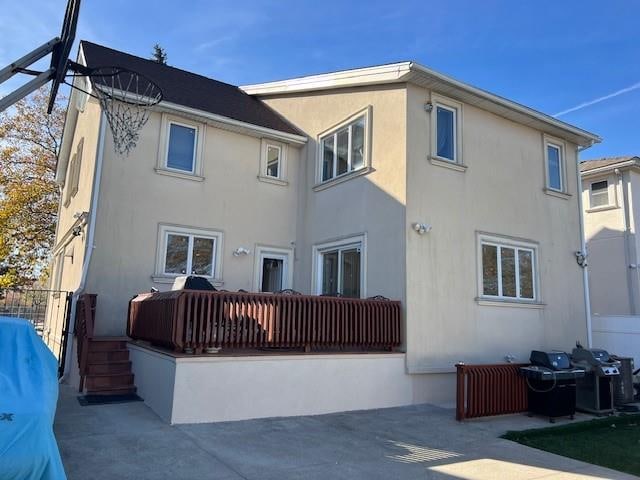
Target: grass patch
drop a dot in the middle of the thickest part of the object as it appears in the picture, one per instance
(612, 442)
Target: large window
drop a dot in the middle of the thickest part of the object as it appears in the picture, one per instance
(340, 268)
(344, 149)
(181, 151)
(599, 194)
(74, 167)
(508, 270)
(186, 251)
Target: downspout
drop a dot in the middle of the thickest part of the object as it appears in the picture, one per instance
(583, 250)
(627, 253)
(93, 208)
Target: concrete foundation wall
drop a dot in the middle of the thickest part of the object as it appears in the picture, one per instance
(216, 389)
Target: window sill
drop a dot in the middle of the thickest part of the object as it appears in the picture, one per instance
(185, 176)
(441, 162)
(272, 180)
(509, 303)
(169, 280)
(603, 208)
(556, 193)
(342, 178)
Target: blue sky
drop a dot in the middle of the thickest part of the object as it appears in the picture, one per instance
(549, 55)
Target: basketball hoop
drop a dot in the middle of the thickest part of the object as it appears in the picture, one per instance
(126, 98)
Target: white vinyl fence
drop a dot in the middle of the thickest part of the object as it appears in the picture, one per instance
(618, 334)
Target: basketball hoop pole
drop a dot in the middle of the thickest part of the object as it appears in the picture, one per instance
(19, 65)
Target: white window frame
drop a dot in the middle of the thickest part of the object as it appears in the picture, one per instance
(164, 230)
(163, 151)
(333, 131)
(58, 266)
(284, 254)
(281, 179)
(456, 108)
(558, 144)
(344, 243)
(611, 198)
(517, 245)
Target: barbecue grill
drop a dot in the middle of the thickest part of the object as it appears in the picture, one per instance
(623, 384)
(552, 384)
(594, 392)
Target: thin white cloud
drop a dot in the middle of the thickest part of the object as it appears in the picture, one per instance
(630, 88)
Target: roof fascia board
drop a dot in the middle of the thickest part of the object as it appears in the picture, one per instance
(235, 124)
(382, 74)
(628, 164)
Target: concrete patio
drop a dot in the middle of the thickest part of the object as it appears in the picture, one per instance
(418, 442)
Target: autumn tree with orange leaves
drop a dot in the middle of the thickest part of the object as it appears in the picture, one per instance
(29, 145)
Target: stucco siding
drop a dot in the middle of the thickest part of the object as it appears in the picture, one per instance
(500, 193)
(372, 204)
(135, 200)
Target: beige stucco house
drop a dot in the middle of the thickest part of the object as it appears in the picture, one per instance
(611, 200)
(392, 180)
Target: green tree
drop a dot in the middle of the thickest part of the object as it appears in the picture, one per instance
(159, 54)
(29, 146)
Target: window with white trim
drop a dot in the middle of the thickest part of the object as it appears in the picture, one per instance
(274, 153)
(58, 266)
(181, 147)
(344, 149)
(554, 153)
(508, 270)
(599, 194)
(446, 128)
(188, 251)
(340, 268)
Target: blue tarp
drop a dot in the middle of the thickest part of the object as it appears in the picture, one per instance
(28, 397)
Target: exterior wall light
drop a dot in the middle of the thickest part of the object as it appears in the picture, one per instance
(428, 107)
(422, 228)
(581, 258)
(241, 251)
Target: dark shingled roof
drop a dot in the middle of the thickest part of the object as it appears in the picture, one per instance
(587, 165)
(192, 90)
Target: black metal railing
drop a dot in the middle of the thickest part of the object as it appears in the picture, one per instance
(47, 310)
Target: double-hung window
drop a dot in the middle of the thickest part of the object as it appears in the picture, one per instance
(185, 251)
(344, 149)
(508, 270)
(599, 194)
(340, 268)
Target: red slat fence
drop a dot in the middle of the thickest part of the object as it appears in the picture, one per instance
(485, 390)
(194, 321)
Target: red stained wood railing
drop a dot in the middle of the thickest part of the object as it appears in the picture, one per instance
(485, 390)
(193, 321)
(85, 320)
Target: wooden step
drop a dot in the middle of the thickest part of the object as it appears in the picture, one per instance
(120, 366)
(122, 390)
(106, 344)
(108, 380)
(107, 356)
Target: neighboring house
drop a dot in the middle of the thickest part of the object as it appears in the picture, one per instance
(611, 202)
(392, 180)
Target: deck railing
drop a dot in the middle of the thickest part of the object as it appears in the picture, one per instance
(85, 320)
(195, 321)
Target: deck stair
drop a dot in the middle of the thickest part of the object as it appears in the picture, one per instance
(108, 368)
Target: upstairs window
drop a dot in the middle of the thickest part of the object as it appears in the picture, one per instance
(181, 151)
(599, 194)
(446, 132)
(555, 167)
(75, 164)
(273, 161)
(344, 149)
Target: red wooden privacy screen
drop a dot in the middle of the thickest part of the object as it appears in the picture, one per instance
(484, 390)
(197, 320)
